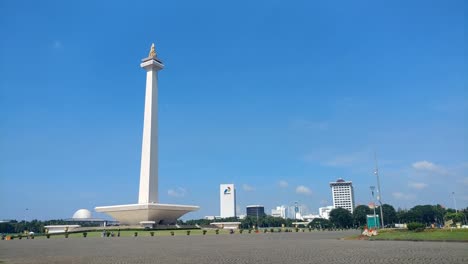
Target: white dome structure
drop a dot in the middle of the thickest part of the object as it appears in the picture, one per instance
(82, 214)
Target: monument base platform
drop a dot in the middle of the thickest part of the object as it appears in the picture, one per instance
(133, 214)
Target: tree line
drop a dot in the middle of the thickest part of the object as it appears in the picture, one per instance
(339, 218)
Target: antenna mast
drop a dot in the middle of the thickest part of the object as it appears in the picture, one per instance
(379, 193)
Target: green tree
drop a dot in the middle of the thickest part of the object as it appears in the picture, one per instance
(455, 217)
(320, 223)
(428, 214)
(389, 213)
(360, 215)
(341, 218)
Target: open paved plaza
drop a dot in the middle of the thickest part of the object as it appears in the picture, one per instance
(313, 247)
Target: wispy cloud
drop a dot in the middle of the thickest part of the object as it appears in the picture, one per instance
(402, 196)
(428, 167)
(283, 184)
(424, 165)
(247, 188)
(178, 192)
(301, 189)
(417, 185)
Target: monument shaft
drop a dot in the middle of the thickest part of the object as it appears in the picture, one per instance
(149, 151)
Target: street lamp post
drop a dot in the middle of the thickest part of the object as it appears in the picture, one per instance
(373, 201)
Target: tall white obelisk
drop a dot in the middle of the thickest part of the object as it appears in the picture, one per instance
(149, 151)
(148, 210)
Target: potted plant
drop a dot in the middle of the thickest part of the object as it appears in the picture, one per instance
(152, 233)
(204, 232)
(135, 234)
(85, 234)
(217, 231)
(188, 232)
(172, 233)
(48, 236)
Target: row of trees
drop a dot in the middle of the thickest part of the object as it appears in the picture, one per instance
(342, 218)
(425, 214)
(339, 218)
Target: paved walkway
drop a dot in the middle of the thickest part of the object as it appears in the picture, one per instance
(314, 247)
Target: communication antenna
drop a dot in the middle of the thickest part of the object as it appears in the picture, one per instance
(379, 193)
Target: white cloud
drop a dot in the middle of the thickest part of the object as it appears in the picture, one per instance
(178, 192)
(402, 196)
(425, 165)
(417, 185)
(247, 188)
(283, 184)
(301, 189)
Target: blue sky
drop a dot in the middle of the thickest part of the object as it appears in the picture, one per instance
(277, 97)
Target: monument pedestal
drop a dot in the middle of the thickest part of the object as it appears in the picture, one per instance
(133, 214)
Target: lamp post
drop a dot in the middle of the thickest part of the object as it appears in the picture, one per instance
(373, 201)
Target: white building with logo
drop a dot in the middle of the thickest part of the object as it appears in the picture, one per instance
(227, 200)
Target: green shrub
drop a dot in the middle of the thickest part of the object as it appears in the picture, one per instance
(188, 232)
(172, 233)
(417, 227)
(152, 233)
(135, 234)
(217, 231)
(85, 234)
(204, 232)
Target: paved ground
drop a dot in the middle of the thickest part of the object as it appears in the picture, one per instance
(314, 247)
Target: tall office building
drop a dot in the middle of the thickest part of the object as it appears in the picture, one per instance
(343, 194)
(227, 200)
(255, 210)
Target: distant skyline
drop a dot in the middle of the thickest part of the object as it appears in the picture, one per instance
(278, 98)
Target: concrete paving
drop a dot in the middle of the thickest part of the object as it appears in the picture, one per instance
(314, 247)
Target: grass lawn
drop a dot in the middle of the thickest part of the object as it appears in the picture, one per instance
(429, 234)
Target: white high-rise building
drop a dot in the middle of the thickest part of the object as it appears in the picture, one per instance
(280, 211)
(227, 200)
(343, 194)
